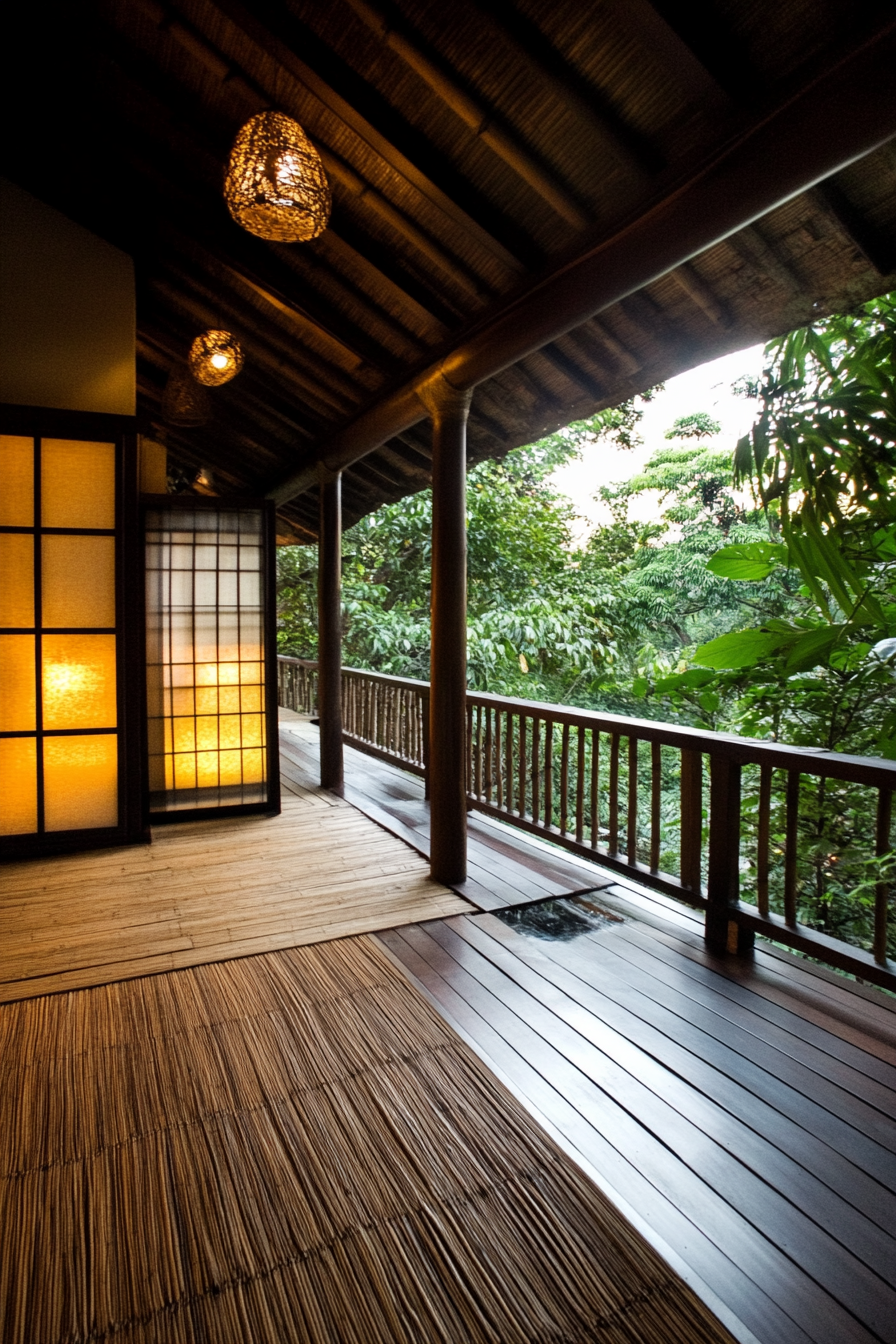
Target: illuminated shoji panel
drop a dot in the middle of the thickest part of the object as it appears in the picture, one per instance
(64, 771)
(210, 651)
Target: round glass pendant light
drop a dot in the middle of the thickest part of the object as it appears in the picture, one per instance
(215, 357)
(275, 186)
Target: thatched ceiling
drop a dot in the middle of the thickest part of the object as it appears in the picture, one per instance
(469, 147)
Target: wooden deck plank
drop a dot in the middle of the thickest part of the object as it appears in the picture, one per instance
(707, 1139)
(766, 1269)
(814, 1177)
(824, 1054)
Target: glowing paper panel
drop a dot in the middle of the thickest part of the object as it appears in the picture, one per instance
(59, 644)
(77, 483)
(205, 675)
(79, 681)
(18, 785)
(16, 578)
(16, 481)
(18, 684)
(78, 581)
(80, 782)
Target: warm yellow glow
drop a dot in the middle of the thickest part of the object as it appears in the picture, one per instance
(79, 682)
(18, 679)
(18, 785)
(276, 186)
(78, 581)
(16, 481)
(215, 358)
(16, 579)
(77, 483)
(80, 782)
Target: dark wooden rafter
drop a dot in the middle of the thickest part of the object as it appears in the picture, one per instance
(878, 247)
(481, 119)
(704, 29)
(608, 124)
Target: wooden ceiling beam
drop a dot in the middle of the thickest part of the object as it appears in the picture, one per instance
(877, 247)
(591, 105)
(481, 119)
(836, 118)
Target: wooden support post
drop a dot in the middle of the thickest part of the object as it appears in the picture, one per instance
(448, 409)
(723, 932)
(329, 630)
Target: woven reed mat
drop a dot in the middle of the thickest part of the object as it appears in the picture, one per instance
(294, 1147)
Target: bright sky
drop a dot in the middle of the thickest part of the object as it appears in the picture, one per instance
(706, 388)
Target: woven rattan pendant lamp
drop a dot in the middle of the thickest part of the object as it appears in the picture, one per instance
(275, 186)
(215, 358)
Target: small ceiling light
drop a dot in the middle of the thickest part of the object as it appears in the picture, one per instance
(276, 187)
(215, 358)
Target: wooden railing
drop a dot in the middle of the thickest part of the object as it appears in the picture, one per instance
(720, 822)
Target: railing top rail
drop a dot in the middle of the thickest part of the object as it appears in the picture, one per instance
(872, 771)
(301, 662)
(877, 772)
(385, 679)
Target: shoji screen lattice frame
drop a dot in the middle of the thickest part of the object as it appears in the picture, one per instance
(39, 424)
(199, 804)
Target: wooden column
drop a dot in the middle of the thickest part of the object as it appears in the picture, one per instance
(329, 630)
(723, 933)
(448, 409)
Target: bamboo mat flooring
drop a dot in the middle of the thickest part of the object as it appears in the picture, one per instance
(295, 1147)
(203, 891)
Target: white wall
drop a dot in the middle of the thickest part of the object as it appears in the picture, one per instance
(67, 312)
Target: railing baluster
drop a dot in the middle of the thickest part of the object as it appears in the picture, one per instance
(488, 755)
(499, 774)
(632, 818)
(478, 756)
(549, 773)
(564, 780)
(691, 818)
(882, 888)
(614, 794)
(469, 783)
(762, 838)
(790, 845)
(595, 771)
(521, 783)
(656, 781)
(536, 733)
(508, 765)
(580, 784)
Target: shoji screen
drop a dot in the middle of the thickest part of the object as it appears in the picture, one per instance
(62, 753)
(211, 697)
